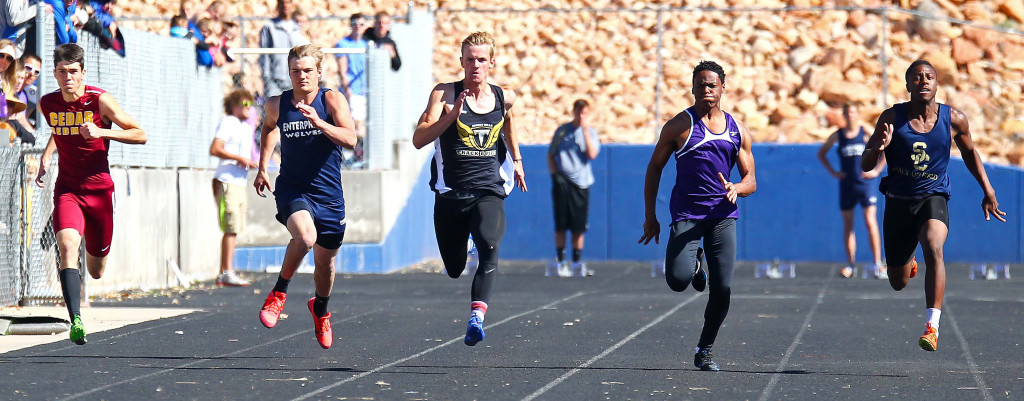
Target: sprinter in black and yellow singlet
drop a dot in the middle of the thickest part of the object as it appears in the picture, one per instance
(915, 137)
(476, 165)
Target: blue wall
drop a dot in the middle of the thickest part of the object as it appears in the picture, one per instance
(794, 215)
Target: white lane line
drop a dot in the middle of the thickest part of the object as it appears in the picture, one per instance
(967, 354)
(611, 349)
(429, 350)
(198, 361)
(792, 347)
(198, 314)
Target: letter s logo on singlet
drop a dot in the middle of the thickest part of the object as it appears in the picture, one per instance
(920, 156)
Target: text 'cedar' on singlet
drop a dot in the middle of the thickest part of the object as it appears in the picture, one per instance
(82, 163)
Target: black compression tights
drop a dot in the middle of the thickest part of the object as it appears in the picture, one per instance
(454, 220)
(720, 250)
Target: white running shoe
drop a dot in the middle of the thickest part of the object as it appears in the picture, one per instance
(564, 270)
(231, 279)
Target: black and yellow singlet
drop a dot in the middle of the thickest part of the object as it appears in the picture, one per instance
(471, 155)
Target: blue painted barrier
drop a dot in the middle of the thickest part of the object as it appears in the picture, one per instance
(794, 215)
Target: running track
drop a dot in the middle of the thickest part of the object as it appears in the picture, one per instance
(619, 335)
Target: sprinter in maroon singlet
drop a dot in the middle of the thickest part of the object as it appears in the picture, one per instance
(80, 118)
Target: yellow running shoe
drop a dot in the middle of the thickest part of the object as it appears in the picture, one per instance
(930, 340)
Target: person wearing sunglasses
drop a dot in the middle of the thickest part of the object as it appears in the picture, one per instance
(233, 145)
(29, 91)
(8, 64)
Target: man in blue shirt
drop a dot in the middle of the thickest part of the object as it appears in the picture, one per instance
(572, 148)
(352, 69)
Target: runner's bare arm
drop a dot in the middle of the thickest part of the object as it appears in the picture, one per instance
(130, 131)
(745, 165)
(511, 141)
(432, 124)
(962, 138)
(44, 160)
(269, 136)
(878, 141)
(675, 128)
(343, 133)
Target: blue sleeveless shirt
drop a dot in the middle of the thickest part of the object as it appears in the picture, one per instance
(917, 161)
(310, 162)
(698, 192)
(850, 151)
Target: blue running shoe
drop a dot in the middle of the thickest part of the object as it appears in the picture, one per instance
(475, 331)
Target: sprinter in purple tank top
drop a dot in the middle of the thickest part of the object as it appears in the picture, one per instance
(706, 143)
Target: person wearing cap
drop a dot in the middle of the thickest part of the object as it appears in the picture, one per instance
(8, 67)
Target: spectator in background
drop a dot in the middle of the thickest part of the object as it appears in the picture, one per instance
(190, 10)
(855, 187)
(179, 26)
(101, 11)
(208, 32)
(17, 121)
(283, 33)
(352, 74)
(229, 30)
(215, 11)
(301, 18)
(352, 69)
(572, 148)
(380, 34)
(33, 67)
(233, 144)
(100, 23)
(8, 67)
(66, 18)
(180, 29)
(15, 20)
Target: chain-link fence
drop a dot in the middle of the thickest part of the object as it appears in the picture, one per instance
(395, 99)
(10, 229)
(178, 105)
(159, 85)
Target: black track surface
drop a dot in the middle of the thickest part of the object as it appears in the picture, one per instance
(619, 335)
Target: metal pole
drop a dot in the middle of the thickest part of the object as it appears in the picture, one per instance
(241, 32)
(657, 79)
(885, 57)
(40, 38)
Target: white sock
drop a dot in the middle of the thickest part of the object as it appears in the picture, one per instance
(933, 317)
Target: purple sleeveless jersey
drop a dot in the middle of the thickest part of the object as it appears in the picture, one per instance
(698, 193)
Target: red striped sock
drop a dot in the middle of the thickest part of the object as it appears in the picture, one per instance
(479, 308)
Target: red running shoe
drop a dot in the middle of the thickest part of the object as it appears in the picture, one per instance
(272, 308)
(321, 327)
(913, 267)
